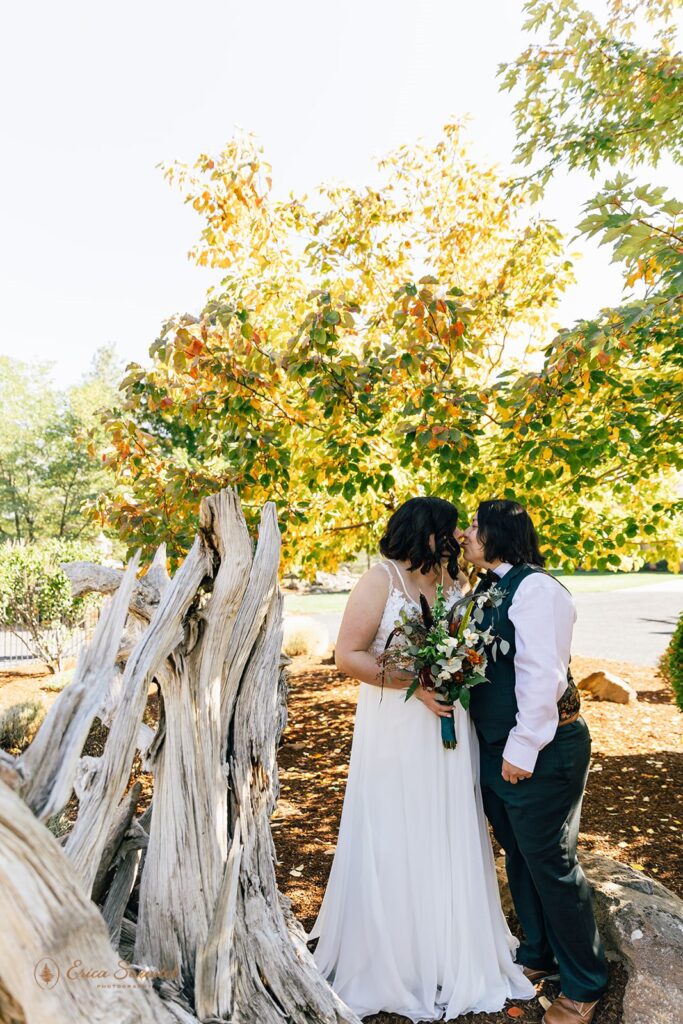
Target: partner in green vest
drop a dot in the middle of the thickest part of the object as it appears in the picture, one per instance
(535, 752)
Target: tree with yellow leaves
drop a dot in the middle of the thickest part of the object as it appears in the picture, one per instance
(376, 343)
(351, 356)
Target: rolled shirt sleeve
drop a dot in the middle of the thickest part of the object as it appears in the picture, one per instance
(543, 614)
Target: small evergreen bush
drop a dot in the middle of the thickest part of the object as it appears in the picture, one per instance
(671, 664)
(36, 602)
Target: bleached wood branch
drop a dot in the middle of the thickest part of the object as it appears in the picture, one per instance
(118, 827)
(252, 612)
(106, 784)
(91, 578)
(49, 765)
(213, 983)
(188, 841)
(119, 893)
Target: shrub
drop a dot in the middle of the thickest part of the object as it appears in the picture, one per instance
(35, 597)
(60, 825)
(19, 724)
(671, 664)
(304, 636)
(58, 682)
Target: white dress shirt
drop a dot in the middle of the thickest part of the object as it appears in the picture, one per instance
(543, 614)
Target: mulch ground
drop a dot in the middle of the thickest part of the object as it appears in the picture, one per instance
(633, 808)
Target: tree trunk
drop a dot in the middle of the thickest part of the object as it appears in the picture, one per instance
(187, 890)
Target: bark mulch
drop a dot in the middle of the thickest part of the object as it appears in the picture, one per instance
(633, 809)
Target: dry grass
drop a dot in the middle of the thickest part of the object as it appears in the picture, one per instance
(19, 724)
(304, 637)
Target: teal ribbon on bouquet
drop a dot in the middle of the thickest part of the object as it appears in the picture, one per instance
(448, 737)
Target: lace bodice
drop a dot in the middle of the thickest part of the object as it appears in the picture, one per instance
(397, 600)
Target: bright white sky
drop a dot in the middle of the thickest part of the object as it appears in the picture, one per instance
(94, 242)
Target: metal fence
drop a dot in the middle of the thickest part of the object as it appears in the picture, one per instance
(14, 649)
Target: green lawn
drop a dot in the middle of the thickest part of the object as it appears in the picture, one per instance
(586, 583)
(309, 604)
(578, 583)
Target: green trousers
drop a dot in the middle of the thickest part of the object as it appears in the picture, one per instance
(536, 821)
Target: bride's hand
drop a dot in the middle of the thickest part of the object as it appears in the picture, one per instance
(435, 704)
(398, 679)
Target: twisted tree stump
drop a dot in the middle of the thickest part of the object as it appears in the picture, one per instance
(177, 909)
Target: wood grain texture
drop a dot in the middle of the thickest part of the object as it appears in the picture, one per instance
(49, 766)
(49, 920)
(187, 890)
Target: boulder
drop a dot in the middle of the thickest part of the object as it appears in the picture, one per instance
(334, 582)
(607, 686)
(641, 924)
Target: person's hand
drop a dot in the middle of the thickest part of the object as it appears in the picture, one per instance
(398, 679)
(434, 702)
(513, 774)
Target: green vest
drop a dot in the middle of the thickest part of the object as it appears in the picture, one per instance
(493, 705)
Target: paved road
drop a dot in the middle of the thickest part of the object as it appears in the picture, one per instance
(627, 625)
(623, 625)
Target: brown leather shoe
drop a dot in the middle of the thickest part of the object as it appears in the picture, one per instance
(536, 974)
(567, 1011)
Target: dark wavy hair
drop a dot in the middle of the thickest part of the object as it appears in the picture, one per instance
(506, 532)
(406, 537)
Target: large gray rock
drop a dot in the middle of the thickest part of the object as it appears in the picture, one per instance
(607, 686)
(641, 923)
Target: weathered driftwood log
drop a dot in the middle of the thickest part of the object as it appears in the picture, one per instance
(186, 891)
(90, 578)
(52, 929)
(188, 839)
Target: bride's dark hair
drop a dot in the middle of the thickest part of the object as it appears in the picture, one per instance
(406, 537)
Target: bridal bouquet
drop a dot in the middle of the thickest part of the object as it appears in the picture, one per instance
(445, 649)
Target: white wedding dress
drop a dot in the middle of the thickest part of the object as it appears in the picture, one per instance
(411, 920)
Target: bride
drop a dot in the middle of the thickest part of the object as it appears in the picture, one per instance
(411, 920)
